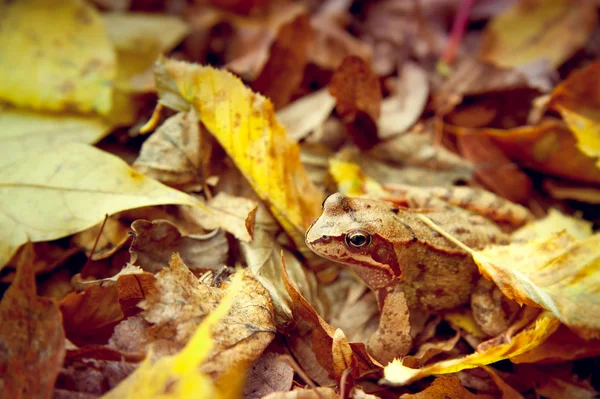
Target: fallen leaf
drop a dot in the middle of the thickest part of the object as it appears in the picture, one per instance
(306, 114)
(270, 373)
(554, 222)
(89, 376)
(25, 132)
(548, 147)
(536, 29)
(441, 388)
(173, 154)
(577, 192)
(69, 189)
(397, 374)
(154, 243)
(31, 337)
(577, 98)
(61, 57)
(508, 392)
(495, 169)
(245, 125)
(557, 273)
(236, 215)
(316, 393)
(406, 103)
(357, 92)
(179, 375)
(105, 238)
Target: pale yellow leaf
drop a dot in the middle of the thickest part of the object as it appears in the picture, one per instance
(68, 189)
(244, 123)
(306, 114)
(179, 376)
(554, 222)
(397, 374)
(538, 29)
(56, 56)
(25, 132)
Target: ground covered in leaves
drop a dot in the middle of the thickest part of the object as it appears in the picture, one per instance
(161, 162)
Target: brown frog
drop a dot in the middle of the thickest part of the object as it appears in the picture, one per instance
(413, 270)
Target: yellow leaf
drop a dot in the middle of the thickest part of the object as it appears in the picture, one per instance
(557, 273)
(56, 56)
(397, 374)
(178, 376)
(351, 180)
(554, 222)
(538, 29)
(244, 123)
(26, 132)
(577, 99)
(69, 189)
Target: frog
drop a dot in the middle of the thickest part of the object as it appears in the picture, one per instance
(414, 271)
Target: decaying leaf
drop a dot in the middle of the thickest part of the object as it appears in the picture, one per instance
(179, 375)
(577, 98)
(306, 114)
(357, 92)
(25, 132)
(528, 31)
(554, 222)
(245, 125)
(105, 238)
(441, 388)
(578, 192)
(67, 190)
(317, 393)
(154, 243)
(65, 65)
(397, 374)
(32, 339)
(235, 215)
(270, 373)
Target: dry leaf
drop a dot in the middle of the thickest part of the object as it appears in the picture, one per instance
(557, 273)
(554, 222)
(561, 190)
(235, 215)
(406, 103)
(245, 125)
(25, 132)
(174, 153)
(179, 375)
(441, 388)
(61, 57)
(105, 238)
(154, 243)
(31, 337)
(397, 374)
(577, 98)
(306, 114)
(67, 190)
(358, 99)
(528, 31)
(317, 393)
(270, 373)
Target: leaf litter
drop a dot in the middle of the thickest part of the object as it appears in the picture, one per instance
(148, 254)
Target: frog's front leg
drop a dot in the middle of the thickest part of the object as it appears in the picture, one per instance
(393, 337)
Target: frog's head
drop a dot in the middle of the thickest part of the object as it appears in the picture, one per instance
(363, 234)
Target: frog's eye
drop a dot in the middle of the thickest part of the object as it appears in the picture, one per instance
(358, 238)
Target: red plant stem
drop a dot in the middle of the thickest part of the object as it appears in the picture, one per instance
(458, 30)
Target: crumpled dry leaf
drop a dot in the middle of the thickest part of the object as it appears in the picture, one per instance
(270, 373)
(179, 375)
(300, 393)
(67, 190)
(245, 125)
(25, 132)
(31, 337)
(548, 147)
(154, 243)
(557, 273)
(397, 374)
(236, 215)
(331, 348)
(527, 31)
(577, 98)
(61, 57)
(174, 153)
(406, 103)
(105, 238)
(442, 387)
(306, 114)
(357, 92)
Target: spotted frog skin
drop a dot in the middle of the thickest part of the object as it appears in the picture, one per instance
(413, 270)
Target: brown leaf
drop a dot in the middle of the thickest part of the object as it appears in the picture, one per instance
(154, 243)
(495, 169)
(174, 153)
(270, 373)
(578, 192)
(113, 236)
(358, 94)
(317, 393)
(92, 376)
(441, 388)
(233, 214)
(32, 340)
